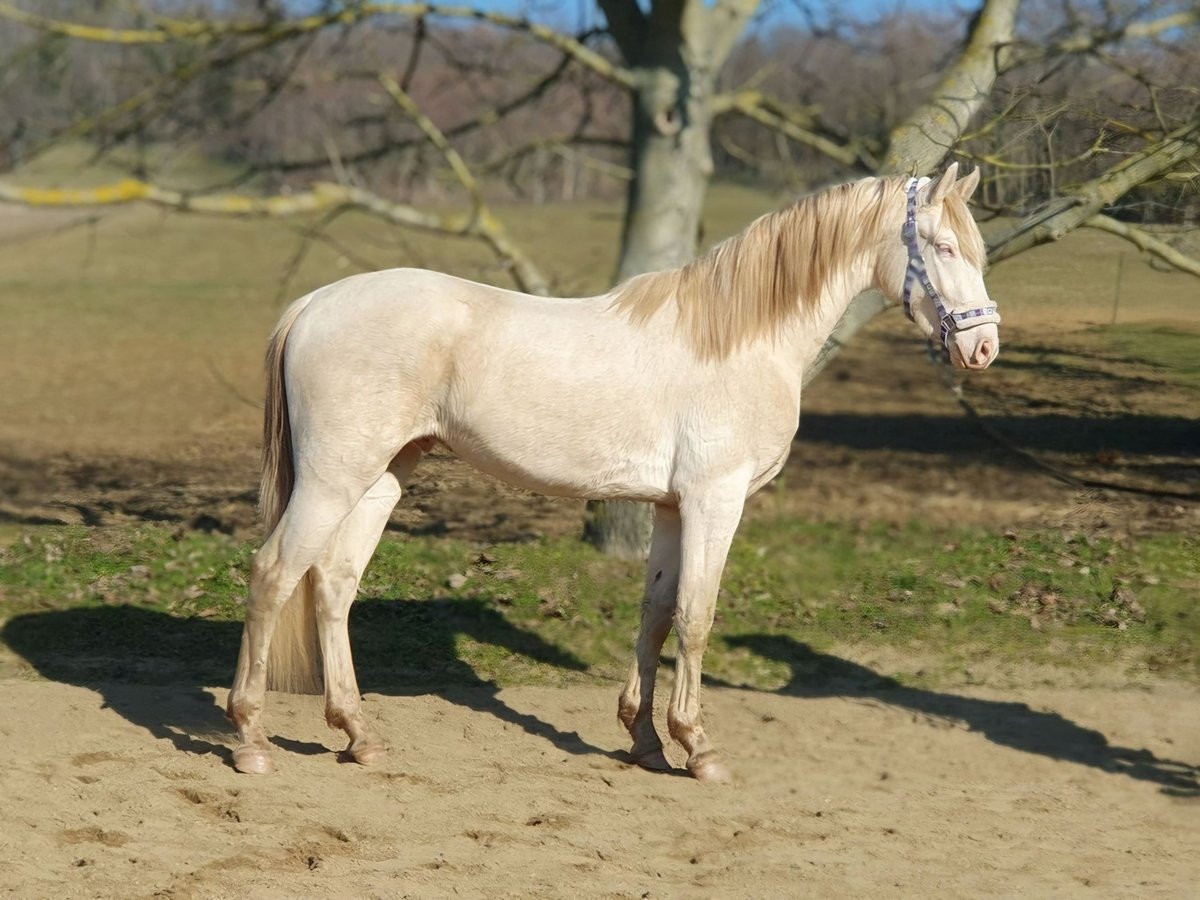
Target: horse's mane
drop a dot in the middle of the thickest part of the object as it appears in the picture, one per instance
(749, 286)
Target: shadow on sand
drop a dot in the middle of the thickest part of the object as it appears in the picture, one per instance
(152, 668)
(1006, 723)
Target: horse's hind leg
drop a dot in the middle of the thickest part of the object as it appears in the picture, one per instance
(636, 708)
(335, 580)
(313, 514)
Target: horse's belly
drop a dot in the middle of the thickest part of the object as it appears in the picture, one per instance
(568, 467)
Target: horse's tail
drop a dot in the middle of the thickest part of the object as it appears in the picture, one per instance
(294, 661)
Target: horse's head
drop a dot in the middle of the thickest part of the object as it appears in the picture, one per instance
(943, 255)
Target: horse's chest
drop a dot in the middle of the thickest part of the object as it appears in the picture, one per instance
(753, 437)
(773, 448)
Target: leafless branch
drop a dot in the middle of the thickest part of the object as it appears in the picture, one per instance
(347, 13)
(1145, 241)
(323, 197)
(1081, 203)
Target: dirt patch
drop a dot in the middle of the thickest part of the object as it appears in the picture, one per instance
(842, 789)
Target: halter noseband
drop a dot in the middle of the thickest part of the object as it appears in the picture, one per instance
(951, 322)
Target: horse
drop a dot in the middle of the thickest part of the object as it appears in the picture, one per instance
(678, 388)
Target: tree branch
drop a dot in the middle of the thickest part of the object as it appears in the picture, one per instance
(485, 225)
(1083, 202)
(922, 141)
(168, 86)
(170, 30)
(1093, 39)
(1147, 242)
(795, 124)
(323, 197)
(484, 119)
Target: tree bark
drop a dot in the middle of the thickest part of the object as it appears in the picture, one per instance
(924, 139)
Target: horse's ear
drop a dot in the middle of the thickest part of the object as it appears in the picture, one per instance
(967, 184)
(943, 186)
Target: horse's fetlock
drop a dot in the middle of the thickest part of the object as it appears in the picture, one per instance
(241, 711)
(336, 718)
(628, 710)
(681, 724)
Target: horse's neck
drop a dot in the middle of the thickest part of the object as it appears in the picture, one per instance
(810, 330)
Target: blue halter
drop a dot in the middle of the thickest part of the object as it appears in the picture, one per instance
(951, 322)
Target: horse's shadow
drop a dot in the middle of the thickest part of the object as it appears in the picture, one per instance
(152, 668)
(1010, 724)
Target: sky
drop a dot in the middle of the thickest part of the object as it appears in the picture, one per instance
(577, 15)
(585, 13)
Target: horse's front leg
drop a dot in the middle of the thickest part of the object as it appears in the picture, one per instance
(636, 708)
(709, 520)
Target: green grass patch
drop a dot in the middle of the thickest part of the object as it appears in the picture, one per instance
(152, 603)
(1173, 350)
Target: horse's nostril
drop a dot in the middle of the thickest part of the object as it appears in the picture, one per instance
(983, 353)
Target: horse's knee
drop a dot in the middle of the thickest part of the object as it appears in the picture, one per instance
(264, 572)
(692, 634)
(335, 585)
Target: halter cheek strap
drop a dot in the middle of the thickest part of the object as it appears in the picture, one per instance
(916, 272)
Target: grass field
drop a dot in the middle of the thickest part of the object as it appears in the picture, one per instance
(942, 601)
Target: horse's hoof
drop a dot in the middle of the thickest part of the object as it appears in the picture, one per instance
(366, 754)
(253, 760)
(652, 761)
(707, 767)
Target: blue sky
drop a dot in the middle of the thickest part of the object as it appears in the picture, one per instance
(581, 14)
(585, 13)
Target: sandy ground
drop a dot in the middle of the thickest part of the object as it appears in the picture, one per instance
(844, 791)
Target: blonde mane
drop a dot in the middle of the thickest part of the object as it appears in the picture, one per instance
(957, 215)
(749, 286)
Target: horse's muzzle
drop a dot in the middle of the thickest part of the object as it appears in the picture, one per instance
(975, 348)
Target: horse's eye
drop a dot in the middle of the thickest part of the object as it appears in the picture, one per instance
(946, 250)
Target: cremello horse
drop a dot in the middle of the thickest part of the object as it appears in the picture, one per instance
(679, 388)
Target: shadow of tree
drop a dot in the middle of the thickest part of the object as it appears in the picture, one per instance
(402, 648)
(1009, 724)
(1125, 433)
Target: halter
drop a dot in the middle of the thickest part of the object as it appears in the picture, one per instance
(951, 322)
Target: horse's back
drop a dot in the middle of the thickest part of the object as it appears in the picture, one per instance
(390, 299)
